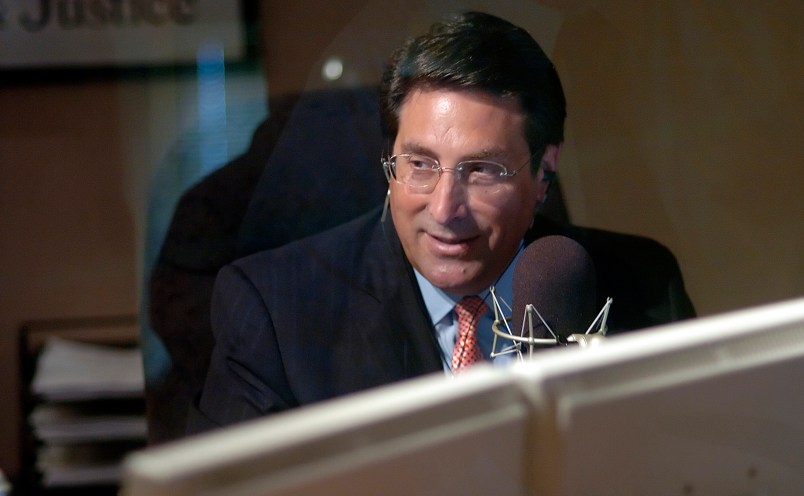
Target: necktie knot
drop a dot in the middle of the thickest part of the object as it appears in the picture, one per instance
(467, 350)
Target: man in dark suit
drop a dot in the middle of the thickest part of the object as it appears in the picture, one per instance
(475, 112)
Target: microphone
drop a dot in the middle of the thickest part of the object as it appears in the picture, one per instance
(554, 281)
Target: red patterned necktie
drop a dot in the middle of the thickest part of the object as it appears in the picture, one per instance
(467, 350)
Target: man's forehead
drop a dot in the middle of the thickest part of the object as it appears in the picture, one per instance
(512, 102)
(489, 127)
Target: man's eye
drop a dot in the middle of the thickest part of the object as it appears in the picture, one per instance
(482, 169)
(419, 164)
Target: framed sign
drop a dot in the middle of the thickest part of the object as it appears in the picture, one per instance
(85, 33)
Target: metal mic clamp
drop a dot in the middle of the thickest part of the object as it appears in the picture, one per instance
(518, 341)
(586, 340)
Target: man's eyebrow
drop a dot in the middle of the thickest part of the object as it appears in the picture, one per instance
(416, 148)
(494, 153)
(491, 153)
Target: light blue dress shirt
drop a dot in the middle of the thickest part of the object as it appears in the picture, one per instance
(440, 306)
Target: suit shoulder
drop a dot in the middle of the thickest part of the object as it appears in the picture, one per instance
(630, 250)
(639, 273)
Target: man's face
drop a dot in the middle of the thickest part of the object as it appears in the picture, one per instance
(459, 240)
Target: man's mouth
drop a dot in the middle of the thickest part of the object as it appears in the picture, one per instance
(449, 246)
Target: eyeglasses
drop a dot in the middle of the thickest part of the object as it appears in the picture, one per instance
(421, 173)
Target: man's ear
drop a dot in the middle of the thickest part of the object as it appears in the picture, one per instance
(548, 167)
(550, 162)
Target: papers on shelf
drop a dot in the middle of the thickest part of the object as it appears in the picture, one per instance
(69, 370)
(74, 465)
(89, 411)
(76, 422)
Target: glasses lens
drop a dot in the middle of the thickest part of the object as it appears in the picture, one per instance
(415, 170)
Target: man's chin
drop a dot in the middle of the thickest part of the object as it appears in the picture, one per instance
(462, 283)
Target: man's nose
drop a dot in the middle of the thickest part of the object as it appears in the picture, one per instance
(448, 199)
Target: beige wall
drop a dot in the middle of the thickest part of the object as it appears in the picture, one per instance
(67, 237)
(684, 125)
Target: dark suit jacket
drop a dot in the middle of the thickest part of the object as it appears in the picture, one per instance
(341, 312)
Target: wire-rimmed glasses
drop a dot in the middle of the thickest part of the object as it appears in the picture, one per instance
(421, 173)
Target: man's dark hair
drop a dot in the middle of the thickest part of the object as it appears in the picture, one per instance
(479, 51)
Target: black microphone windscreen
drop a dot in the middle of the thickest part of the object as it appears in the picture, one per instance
(556, 275)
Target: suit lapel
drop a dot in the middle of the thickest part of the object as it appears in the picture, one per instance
(408, 347)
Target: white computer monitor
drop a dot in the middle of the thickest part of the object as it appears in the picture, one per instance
(712, 406)
(708, 406)
(433, 435)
